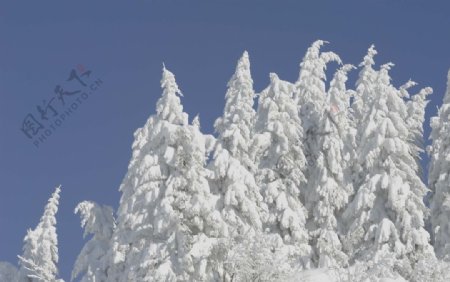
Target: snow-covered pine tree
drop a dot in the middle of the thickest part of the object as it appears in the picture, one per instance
(363, 95)
(365, 86)
(40, 250)
(241, 203)
(142, 215)
(387, 213)
(439, 177)
(310, 95)
(427, 266)
(281, 165)
(338, 101)
(235, 127)
(195, 205)
(325, 153)
(92, 262)
(416, 117)
(166, 209)
(362, 99)
(329, 183)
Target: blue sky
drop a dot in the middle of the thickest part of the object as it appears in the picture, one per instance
(124, 45)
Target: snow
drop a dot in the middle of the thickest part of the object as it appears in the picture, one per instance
(316, 275)
(317, 182)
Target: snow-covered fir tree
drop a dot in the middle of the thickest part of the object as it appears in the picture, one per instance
(310, 95)
(92, 262)
(362, 99)
(439, 177)
(166, 208)
(329, 183)
(387, 213)
(241, 203)
(235, 127)
(40, 251)
(196, 205)
(281, 165)
(416, 117)
(365, 85)
(327, 128)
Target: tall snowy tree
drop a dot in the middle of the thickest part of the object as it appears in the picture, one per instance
(365, 85)
(310, 95)
(196, 205)
(439, 177)
(40, 250)
(93, 261)
(387, 213)
(362, 101)
(166, 208)
(282, 165)
(328, 149)
(235, 127)
(241, 203)
(416, 117)
(329, 183)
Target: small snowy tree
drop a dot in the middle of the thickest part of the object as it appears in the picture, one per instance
(282, 164)
(383, 269)
(263, 257)
(93, 260)
(439, 177)
(431, 269)
(40, 250)
(8, 272)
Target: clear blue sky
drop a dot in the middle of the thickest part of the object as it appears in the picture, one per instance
(124, 45)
